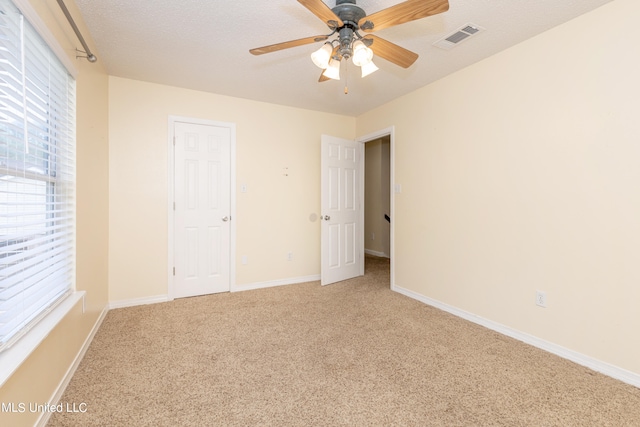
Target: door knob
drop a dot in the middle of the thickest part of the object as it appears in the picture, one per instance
(327, 217)
(225, 219)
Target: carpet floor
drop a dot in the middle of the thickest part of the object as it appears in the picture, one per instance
(352, 353)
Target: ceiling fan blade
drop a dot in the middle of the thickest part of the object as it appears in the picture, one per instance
(391, 51)
(286, 45)
(323, 78)
(407, 11)
(322, 11)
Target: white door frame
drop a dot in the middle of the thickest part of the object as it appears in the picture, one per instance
(363, 140)
(171, 197)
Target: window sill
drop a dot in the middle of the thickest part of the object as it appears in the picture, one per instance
(14, 356)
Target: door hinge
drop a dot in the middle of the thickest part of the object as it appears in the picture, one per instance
(174, 141)
(174, 271)
(174, 206)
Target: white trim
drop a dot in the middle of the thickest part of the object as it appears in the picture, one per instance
(273, 283)
(138, 301)
(34, 19)
(171, 198)
(376, 253)
(170, 201)
(237, 288)
(579, 358)
(390, 132)
(13, 357)
(57, 395)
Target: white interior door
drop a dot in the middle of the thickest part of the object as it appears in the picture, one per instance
(341, 251)
(202, 217)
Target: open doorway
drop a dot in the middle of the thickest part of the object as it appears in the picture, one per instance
(377, 197)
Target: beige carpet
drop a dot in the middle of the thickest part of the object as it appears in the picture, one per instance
(353, 353)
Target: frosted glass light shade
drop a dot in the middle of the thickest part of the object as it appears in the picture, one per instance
(322, 56)
(368, 68)
(333, 70)
(361, 53)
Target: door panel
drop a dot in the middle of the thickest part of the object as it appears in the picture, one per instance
(202, 209)
(340, 212)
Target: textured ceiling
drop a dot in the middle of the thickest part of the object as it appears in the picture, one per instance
(204, 45)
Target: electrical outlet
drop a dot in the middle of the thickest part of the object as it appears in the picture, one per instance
(373, 236)
(541, 299)
(245, 260)
(290, 256)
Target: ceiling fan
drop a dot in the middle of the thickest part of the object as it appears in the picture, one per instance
(345, 21)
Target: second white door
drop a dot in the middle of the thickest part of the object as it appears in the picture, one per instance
(202, 176)
(341, 245)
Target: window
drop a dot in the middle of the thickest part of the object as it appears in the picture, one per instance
(37, 177)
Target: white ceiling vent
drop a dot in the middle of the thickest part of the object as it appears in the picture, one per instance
(458, 36)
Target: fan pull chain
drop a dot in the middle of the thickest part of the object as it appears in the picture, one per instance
(346, 77)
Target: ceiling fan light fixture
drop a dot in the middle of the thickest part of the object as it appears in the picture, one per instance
(333, 70)
(322, 56)
(368, 68)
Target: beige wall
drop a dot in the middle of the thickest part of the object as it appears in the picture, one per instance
(520, 173)
(272, 216)
(38, 378)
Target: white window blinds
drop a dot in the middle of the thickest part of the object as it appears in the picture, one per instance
(37, 177)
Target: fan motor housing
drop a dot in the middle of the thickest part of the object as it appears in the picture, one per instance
(347, 11)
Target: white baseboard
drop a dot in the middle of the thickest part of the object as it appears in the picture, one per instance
(235, 288)
(138, 301)
(579, 358)
(57, 395)
(272, 283)
(376, 253)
